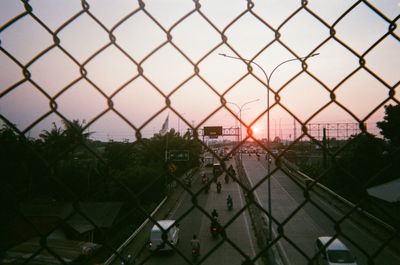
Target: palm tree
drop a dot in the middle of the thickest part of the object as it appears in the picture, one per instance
(74, 131)
(53, 136)
(54, 141)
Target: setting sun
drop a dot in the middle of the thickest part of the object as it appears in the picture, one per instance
(255, 129)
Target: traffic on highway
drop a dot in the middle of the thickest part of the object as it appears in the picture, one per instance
(194, 215)
(306, 221)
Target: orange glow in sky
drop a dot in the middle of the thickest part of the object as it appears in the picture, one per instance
(142, 64)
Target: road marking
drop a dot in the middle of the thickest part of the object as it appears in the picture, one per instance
(246, 223)
(177, 206)
(337, 214)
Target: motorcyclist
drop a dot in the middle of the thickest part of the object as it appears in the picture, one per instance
(195, 244)
(229, 202)
(219, 186)
(204, 178)
(129, 259)
(188, 181)
(215, 227)
(214, 214)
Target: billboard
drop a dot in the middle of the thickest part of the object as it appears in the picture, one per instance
(213, 131)
(178, 155)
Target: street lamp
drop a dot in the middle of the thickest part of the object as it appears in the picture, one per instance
(240, 117)
(268, 78)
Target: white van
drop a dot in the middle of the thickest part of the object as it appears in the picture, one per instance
(334, 253)
(156, 235)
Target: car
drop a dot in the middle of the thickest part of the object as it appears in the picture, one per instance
(158, 238)
(331, 251)
(88, 248)
(208, 161)
(217, 169)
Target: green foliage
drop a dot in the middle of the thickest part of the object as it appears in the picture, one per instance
(119, 155)
(20, 163)
(364, 160)
(390, 126)
(144, 182)
(358, 165)
(60, 165)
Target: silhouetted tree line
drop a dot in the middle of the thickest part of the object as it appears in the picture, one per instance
(63, 164)
(363, 161)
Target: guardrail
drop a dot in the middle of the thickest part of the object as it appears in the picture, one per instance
(368, 221)
(134, 234)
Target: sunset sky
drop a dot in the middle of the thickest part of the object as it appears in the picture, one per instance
(169, 66)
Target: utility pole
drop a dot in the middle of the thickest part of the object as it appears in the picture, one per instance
(294, 129)
(324, 147)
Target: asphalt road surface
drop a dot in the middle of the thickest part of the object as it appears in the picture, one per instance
(304, 223)
(213, 250)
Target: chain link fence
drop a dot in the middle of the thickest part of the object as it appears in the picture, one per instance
(67, 180)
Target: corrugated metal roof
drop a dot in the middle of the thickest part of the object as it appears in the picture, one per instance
(389, 191)
(102, 214)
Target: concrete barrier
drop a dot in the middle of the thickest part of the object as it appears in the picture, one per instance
(275, 254)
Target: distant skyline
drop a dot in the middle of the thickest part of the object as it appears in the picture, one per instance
(144, 67)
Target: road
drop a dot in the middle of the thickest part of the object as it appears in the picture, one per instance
(304, 223)
(196, 222)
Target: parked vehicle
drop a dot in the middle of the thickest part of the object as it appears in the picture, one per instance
(333, 253)
(158, 238)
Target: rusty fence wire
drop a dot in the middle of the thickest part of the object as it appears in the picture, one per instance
(43, 162)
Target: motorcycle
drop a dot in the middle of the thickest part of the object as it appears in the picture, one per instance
(229, 203)
(219, 186)
(215, 229)
(195, 253)
(204, 178)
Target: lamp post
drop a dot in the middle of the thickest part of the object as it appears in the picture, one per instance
(240, 117)
(268, 79)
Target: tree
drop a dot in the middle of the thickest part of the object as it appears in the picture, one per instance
(74, 131)
(54, 142)
(390, 126)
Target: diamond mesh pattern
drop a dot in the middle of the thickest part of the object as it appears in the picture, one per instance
(137, 63)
